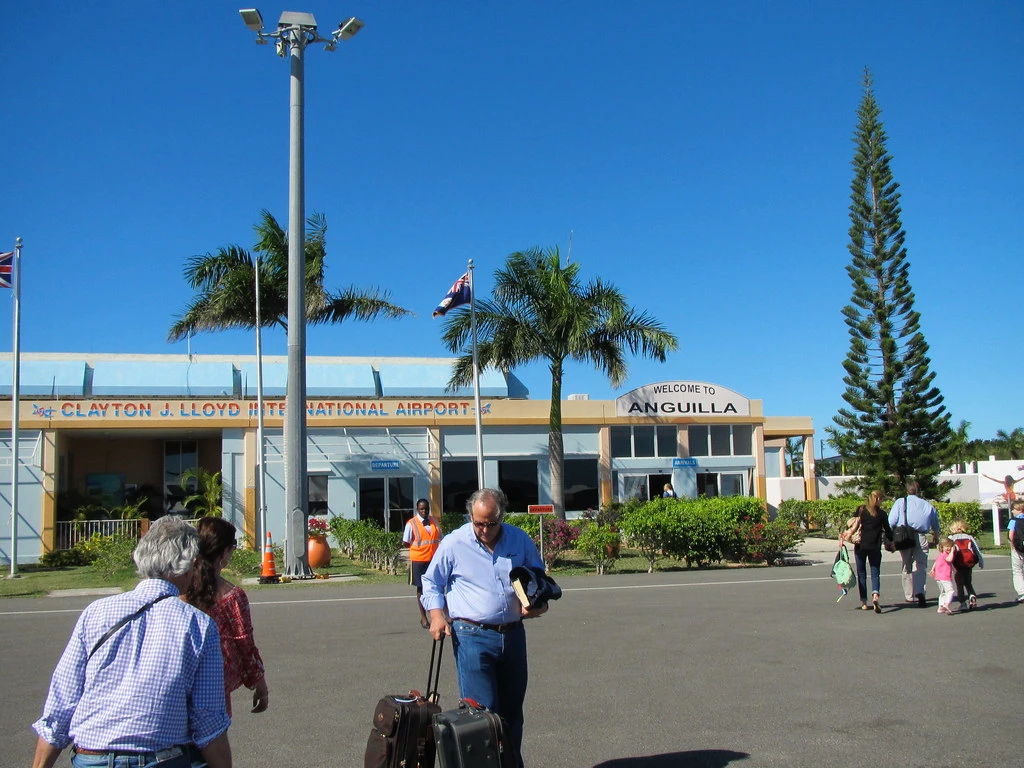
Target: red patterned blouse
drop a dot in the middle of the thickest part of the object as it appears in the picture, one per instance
(243, 664)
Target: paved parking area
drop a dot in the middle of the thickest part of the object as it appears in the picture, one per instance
(731, 667)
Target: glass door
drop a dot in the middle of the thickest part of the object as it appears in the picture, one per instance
(387, 501)
(633, 487)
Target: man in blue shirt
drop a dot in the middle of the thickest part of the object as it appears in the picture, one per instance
(914, 511)
(145, 692)
(469, 596)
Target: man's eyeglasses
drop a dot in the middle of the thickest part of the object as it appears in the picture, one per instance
(488, 524)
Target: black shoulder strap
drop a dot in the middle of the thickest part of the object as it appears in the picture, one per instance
(122, 622)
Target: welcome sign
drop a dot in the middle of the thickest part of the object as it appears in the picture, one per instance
(682, 398)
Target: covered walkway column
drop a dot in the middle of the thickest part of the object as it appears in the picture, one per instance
(810, 470)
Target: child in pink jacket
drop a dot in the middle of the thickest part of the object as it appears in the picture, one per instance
(942, 572)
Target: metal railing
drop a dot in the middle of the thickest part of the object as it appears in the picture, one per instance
(67, 533)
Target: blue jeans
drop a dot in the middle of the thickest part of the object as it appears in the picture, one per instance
(145, 760)
(874, 559)
(492, 671)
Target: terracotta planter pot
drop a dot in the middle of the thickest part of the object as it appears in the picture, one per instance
(318, 551)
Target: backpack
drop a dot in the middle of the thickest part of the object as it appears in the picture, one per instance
(963, 555)
(1018, 528)
(845, 578)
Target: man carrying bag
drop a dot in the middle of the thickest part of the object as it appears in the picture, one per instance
(912, 519)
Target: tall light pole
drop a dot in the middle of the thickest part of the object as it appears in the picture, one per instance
(294, 32)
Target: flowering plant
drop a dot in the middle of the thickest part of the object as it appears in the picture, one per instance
(318, 526)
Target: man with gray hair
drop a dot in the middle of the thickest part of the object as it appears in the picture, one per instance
(920, 515)
(142, 677)
(468, 592)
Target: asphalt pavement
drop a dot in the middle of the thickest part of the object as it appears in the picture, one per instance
(742, 667)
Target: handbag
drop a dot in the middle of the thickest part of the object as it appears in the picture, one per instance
(853, 529)
(904, 536)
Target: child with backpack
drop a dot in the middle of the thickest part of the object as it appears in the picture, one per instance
(966, 555)
(1017, 548)
(942, 572)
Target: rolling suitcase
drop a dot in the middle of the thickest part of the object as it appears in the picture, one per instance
(472, 737)
(402, 734)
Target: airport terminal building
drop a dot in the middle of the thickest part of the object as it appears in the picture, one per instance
(382, 432)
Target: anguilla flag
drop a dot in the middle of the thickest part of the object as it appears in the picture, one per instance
(6, 268)
(457, 296)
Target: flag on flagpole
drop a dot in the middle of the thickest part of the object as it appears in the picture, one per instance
(6, 269)
(458, 295)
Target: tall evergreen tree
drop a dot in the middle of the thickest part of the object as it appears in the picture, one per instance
(895, 415)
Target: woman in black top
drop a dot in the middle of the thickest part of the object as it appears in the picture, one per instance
(871, 521)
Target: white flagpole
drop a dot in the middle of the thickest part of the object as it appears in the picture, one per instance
(262, 488)
(15, 387)
(476, 382)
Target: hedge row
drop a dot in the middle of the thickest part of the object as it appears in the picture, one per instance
(707, 530)
(367, 541)
(698, 532)
(830, 515)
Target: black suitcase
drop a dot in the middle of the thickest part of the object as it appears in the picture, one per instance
(402, 735)
(472, 736)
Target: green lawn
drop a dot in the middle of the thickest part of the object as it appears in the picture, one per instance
(35, 581)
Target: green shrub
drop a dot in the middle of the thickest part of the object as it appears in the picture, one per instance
(529, 523)
(113, 555)
(709, 526)
(64, 558)
(655, 528)
(599, 544)
(824, 515)
(764, 541)
(366, 540)
(344, 532)
(968, 511)
(246, 562)
(452, 520)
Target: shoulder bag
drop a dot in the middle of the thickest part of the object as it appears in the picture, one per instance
(904, 536)
(852, 533)
(122, 622)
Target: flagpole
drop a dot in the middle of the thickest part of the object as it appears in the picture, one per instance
(15, 387)
(476, 383)
(262, 486)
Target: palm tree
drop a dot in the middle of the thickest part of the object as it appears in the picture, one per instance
(1011, 442)
(540, 310)
(225, 294)
(960, 446)
(207, 497)
(795, 456)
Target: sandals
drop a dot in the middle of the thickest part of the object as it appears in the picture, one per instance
(864, 607)
(874, 602)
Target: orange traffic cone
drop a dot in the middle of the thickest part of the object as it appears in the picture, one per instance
(269, 574)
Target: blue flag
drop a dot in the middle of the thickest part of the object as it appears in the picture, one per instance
(457, 295)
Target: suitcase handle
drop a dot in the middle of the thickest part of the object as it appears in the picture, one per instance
(434, 672)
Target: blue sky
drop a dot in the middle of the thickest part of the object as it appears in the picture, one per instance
(698, 152)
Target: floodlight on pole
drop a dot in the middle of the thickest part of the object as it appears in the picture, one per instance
(252, 18)
(294, 32)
